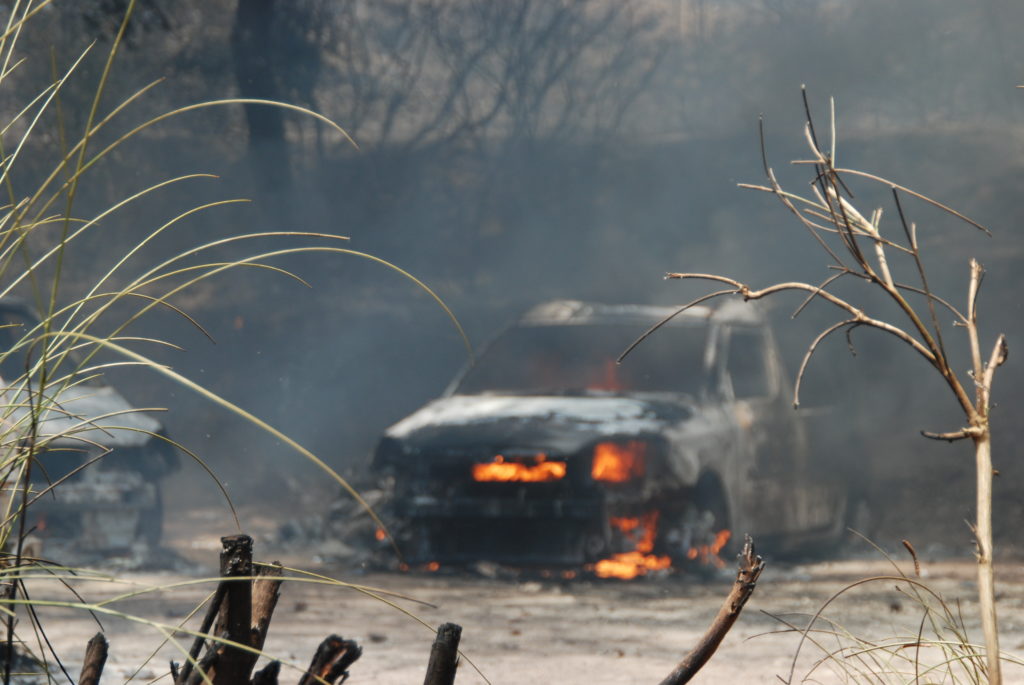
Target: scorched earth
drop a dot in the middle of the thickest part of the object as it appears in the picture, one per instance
(584, 631)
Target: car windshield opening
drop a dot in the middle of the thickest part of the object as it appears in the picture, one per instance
(581, 358)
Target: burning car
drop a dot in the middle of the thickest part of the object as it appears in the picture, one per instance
(98, 461)
(546, 451)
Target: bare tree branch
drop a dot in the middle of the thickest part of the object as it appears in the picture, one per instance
(810, 352)
(919, 196)
(750, 567)
(961, 434)
(671, 316)
(858, 315)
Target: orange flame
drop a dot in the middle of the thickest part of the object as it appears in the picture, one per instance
(609, 379)
(379, 534)
(432, 566)
(518, 472)
(708, 554)
(617, 462)
(627, 565)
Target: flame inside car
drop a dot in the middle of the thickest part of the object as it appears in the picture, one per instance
(534, 470)
(616, 462)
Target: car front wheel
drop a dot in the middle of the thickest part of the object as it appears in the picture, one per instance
(695, 531)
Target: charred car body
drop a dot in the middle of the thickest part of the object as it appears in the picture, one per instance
(95, 478)
(546, 451)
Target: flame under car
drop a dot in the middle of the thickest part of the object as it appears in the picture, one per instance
(547, 452)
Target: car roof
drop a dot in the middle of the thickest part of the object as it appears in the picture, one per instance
(576, 312)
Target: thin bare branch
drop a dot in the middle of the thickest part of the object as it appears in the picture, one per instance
(810, 352)
(935, 356)
(912, 241)
(809, 126)
(932, 297)
(826, 283)
(977, 273)
(842, 222)
(693, 303)
(919, 196)
(869, 228)
(832, 129)
(750, 568)
(861, 318)
(961, 434)
(1000, 352)
(961, 319)
(782, 195)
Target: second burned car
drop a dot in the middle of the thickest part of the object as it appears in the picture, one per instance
(548, 452)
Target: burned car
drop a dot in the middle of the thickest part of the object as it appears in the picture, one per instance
(95, 479)
(546, 451)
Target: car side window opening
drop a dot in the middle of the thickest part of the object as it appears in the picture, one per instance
(582, 358)
(747, 365)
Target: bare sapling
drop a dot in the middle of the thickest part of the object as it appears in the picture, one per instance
(856, 248)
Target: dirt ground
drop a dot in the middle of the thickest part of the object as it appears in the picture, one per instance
(586, 631)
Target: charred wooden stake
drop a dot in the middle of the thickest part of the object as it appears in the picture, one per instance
(444, 655)
(232, 666)
(95, 659)
(266, 590)
(331, 661)
(268, 674)
(205, 665)
(750, 569)
(197, 645)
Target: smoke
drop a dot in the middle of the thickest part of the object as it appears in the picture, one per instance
(519, 151)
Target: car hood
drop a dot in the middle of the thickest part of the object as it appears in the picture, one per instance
(85, 414)
(559, 424)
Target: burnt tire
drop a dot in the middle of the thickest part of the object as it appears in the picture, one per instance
(691, 533)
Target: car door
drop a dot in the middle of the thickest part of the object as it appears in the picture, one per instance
(783, 496)
(770, 438)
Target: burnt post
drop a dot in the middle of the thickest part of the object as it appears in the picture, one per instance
(232, 665)
(267, 675)
(266, 590)
(331, 661)
(444, 655)
(95, 659)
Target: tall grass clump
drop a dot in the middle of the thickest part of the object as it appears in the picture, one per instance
(936, 647)
(82, 332)
(886, 259)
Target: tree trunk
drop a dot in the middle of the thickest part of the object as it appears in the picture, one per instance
(983, 534)
(255, 62)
